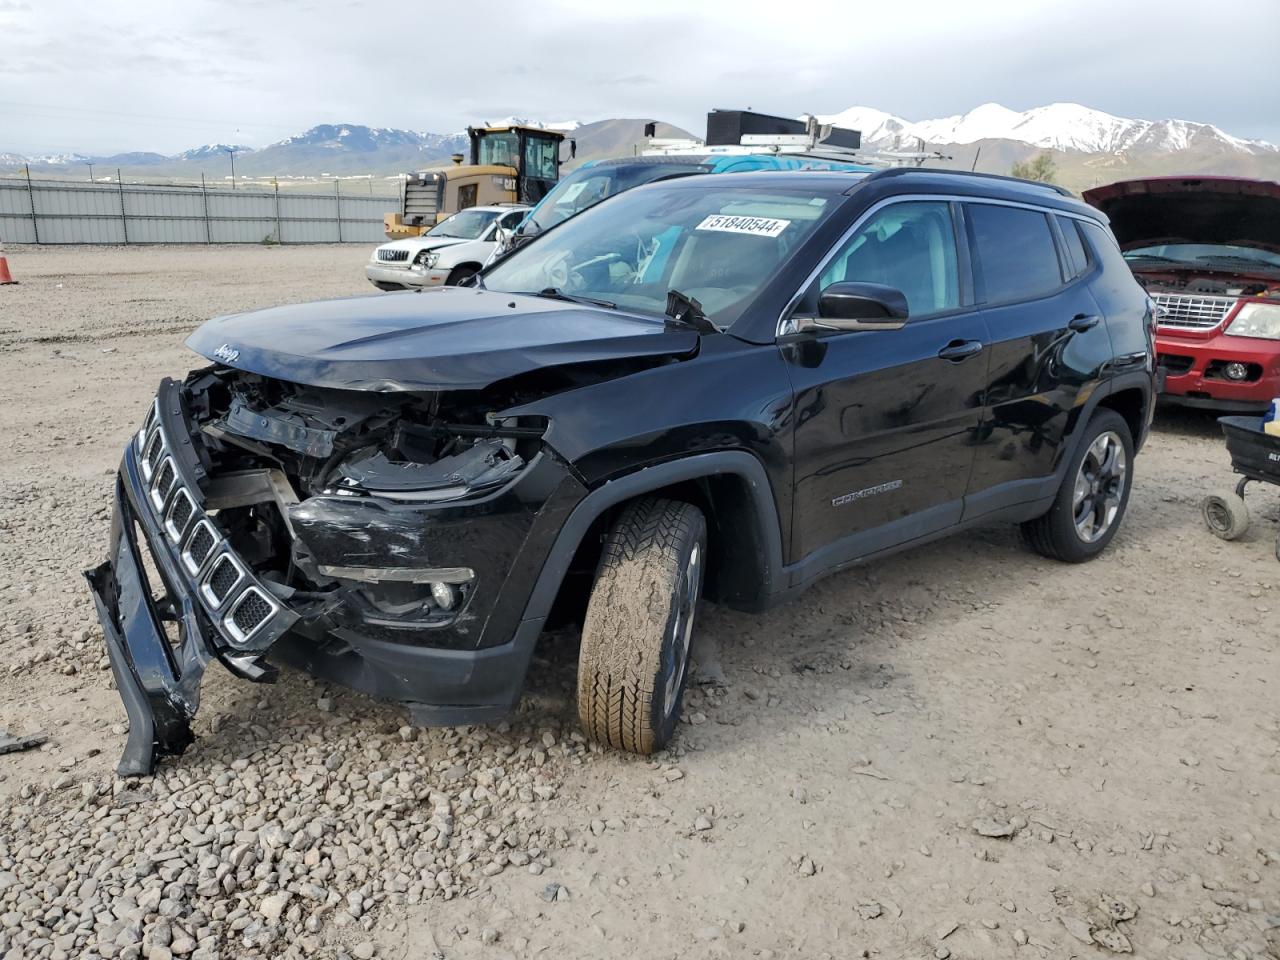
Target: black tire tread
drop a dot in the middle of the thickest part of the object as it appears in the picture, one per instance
(626, 621)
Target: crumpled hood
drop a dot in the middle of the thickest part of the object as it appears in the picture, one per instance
(447, 338)
(1218, 210)
(415, 244)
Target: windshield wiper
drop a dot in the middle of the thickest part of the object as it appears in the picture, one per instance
(686, 310)
(1153, 256)
(1248, 261)
(552, 293)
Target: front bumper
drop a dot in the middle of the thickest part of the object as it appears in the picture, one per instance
(160, 636)
(405, 276)
(1192, 371)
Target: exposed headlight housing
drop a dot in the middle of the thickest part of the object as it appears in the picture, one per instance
(427, 259)
(1258, 320)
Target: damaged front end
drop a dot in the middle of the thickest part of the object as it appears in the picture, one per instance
(334, 530)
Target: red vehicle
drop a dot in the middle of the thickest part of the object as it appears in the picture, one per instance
(1207, 250)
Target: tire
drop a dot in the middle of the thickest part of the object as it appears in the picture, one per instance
(1064, 532)
(458, 274)
(1225, 514)
(634, 660)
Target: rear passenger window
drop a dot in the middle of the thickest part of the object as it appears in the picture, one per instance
(1015, 253)
(1075, 246)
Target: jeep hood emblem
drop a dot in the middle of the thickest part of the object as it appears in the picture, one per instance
(226, 353)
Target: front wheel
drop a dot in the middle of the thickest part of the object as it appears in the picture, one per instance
(1094, 494)
(634, 660)
(459, 274)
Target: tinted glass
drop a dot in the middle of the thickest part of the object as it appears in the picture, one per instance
(589, 185)
(468, 225)
(1075, 246)
(908, 246)
(1015, 253)
(1105, 248)
(711, 241)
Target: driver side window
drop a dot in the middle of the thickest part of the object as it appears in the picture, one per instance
(908, 246)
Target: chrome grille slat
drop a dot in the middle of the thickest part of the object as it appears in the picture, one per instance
(393, 256)
(221, 581)
(162, 486)
(248, 614)
(200, 544)
(179, 515)
(1191, 312)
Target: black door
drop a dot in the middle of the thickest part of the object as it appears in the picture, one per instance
(884, 421)
(1048, 345)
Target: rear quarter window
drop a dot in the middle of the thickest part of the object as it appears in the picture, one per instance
(1076, 253)
(1015, 253)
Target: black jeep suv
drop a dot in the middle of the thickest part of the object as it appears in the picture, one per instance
(720, 387)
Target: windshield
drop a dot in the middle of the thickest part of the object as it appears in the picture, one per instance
(468, 225)
(1206, 254)
(716, 243)
(588, 186)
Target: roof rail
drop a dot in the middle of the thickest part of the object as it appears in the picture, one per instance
(899, 171)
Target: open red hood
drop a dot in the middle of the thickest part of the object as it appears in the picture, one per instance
(1219, 210)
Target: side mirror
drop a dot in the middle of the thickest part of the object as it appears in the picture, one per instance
(850, 305)
(502, 237)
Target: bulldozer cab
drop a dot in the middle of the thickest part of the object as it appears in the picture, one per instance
(531, 153)
(509, 164)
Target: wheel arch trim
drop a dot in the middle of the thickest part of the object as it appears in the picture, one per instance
(646, 480)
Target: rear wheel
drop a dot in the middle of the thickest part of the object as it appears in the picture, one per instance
(638, 630)
(1094, 494)
(458, 274)
(1226, 515)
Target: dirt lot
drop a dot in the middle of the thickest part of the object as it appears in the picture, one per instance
(833, 798)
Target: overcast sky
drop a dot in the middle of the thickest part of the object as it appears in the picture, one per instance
(166, 75)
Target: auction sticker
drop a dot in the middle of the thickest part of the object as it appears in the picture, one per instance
(754, 226)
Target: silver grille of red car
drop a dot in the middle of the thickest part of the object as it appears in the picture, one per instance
(1191, 312)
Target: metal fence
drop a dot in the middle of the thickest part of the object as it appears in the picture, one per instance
(64, 211)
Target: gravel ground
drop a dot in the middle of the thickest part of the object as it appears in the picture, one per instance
(964, 751)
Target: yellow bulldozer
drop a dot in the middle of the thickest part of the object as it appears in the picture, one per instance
(509, 164)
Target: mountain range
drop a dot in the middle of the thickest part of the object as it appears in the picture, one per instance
(329, 150)
(1087, 145)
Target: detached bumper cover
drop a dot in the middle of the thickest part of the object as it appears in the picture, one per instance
(160, 685)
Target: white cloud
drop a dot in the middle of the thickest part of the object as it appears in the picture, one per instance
(152, 74)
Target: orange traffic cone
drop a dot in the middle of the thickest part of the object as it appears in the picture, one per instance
(5, 275)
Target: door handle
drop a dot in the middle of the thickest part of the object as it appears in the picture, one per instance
(1082, 322)
(958, 350)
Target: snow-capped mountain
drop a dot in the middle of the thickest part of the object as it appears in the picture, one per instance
(213, 151)
(1058, 126)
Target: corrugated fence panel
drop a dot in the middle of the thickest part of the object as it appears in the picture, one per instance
(75, 212)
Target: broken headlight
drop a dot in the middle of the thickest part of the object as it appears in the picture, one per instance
(469, 470)
(427, 259)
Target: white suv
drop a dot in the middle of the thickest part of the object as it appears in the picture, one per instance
(446, 254)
